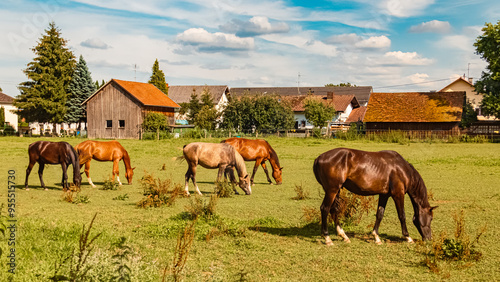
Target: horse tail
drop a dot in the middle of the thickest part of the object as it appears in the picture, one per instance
(316, 170)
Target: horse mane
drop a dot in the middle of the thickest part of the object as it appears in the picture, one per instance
(75, 159)
(417, 188)
(273, 155)
(239, 163)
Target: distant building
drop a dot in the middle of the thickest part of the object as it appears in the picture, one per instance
(417, 112)
(118, 108)
(7, 103)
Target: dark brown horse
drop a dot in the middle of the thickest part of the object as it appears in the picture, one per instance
(215, 155)
(45, 152)
(385, 173)
(110, 151)
(260, 151)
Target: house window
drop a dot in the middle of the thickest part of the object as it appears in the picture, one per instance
(121, 123)
(109, 123)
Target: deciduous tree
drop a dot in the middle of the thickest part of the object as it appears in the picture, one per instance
(317, 113)
(488, 47)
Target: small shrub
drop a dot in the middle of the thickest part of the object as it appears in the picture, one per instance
(109, 184)
(223, 189)
(121, 197)
(72, 195)
(312, 215)
(224, 229)
(458, 248)
(82, 199)
(121, 258)
(158, 192)
(351, 207)
(301, 193)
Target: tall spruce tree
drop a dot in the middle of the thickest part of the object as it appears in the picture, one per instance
(158, 78)
(43, 97)
(80, 88)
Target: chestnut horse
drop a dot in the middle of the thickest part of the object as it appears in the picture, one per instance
(215, 155)
(105, 152)
(385, 173)
(45, 152)
(260, 151)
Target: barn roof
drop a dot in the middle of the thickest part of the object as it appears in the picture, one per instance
(147, 94)
(415, 107)
(6, 99)
(362, 93)
(182, 93)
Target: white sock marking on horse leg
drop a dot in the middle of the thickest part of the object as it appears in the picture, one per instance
(377, 238)
(198, 190)
(91, 183)
(186, 189)
(118, 179)
(409, 239)
(328, 241)
(341, 233)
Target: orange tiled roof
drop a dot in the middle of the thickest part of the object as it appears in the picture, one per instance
(357, 114)
(147, 93)
(415, 107)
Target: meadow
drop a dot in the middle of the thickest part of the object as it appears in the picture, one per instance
(261, 237)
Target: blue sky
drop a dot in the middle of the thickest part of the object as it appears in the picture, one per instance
(392, 45)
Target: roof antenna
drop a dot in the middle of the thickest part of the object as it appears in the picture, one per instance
(135, 72)
(298, 83)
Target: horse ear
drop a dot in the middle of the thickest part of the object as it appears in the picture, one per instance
(246, 176)
(133, 168)
(281, 168)
(81, 173)
(432, 208)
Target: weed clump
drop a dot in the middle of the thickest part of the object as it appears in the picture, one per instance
(199, 208)
(223, 189)
(72, 195)
(302, 194)
(158, 192)
(458, 248)
(109, 184)
(121, 197)
(181, 252)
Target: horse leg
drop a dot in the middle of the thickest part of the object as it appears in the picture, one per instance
(263, 164)
(28, 171)
(64, 180)
(221, 172)
(400, 207)
(255, 167)
(193, 178)
(87, 172)
(330, 194)
(232, 179)
(116, 171)
(41, 166)
(187, 176)
(382, 201)
(335, 216)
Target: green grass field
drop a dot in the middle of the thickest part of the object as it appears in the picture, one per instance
(266, 236)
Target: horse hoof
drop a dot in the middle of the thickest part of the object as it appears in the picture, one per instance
(378, 243)
(27, 189)
(46, 189)
(329, 243)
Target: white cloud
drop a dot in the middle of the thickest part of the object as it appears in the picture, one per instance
(255, 26)
(404, 8)
(205, 41)
(431, 26)
(374, 42)
(95, 43)
(457, 42)
(405, 58)
(418, 77)
(353, 40)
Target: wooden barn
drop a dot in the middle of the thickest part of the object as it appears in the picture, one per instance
(419, 113)
(118, 108)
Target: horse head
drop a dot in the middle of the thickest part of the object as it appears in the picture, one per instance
(245, 184)
(423, 222)
(277, 175)
(77, 179)
(129, 174)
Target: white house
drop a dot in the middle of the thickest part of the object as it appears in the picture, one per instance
(7, 103)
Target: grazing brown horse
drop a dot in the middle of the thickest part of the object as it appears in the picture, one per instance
(215, 155)
(260, 151)
(110, 151)
(385, 173)
(45, 152)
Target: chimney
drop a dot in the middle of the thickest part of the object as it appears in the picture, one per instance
(329, 95)
(471, 80)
